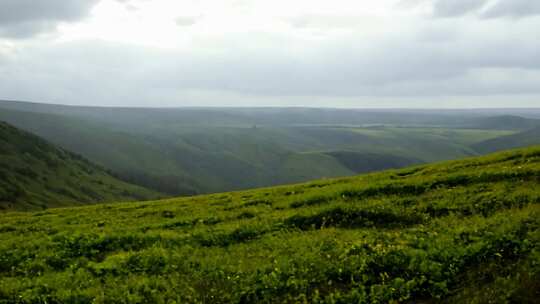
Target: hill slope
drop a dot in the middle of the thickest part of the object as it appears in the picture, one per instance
(193, 151)
(504, 122)
(456, 232)
(35, 174)
(521, 139)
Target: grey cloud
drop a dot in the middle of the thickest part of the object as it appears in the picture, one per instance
(513, 8)
(25, 18)
(432, 58)
(484, 9)
(453, 8)
(26, 29)
(355, 67)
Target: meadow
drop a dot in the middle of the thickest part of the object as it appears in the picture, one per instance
(451, 232)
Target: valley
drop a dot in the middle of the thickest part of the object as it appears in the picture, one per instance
(189, 151)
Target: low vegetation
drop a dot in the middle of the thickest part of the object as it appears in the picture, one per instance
(456, 232)
(36, 175)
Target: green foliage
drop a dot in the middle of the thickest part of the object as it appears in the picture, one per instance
(456, 232)
(36, 175)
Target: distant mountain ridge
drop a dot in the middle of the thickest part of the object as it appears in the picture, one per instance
(505, 122)
(186, 151)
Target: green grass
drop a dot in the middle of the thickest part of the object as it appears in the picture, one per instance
(36, 175)
(453, 232)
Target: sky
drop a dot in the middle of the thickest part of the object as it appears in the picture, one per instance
(319, 53)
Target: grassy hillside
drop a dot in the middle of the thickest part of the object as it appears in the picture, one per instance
(525, 138)
(456, 232)
(192, 151)
(35, 174)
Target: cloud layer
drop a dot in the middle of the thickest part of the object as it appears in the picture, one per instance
(26, 18)
(486, 8)
(474, 50)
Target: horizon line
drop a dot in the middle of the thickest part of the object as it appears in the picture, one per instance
(266, 107)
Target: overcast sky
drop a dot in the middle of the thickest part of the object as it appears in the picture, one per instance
(339, 53)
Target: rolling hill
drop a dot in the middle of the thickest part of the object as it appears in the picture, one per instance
(521, 139)
(503, 122)
(35, 174)
(188, 151)
(464, 231)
